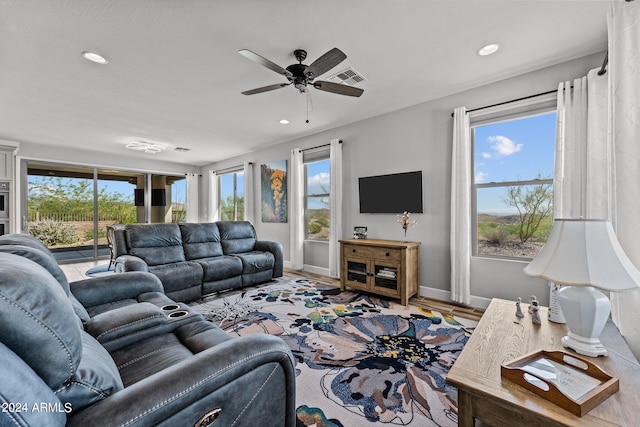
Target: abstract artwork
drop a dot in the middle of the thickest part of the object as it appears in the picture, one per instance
(273, 181)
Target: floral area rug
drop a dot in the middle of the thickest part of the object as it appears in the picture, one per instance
(360, 360)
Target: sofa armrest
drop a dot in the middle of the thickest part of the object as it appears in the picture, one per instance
(276, 249)
(246, 378)
(126, 263)
(125, 321)
(115, 287)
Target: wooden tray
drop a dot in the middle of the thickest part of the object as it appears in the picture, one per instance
(569, 381)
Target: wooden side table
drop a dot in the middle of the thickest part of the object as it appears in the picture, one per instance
(484, 395)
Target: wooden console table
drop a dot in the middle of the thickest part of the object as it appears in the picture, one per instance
(385, 267)
(484, 395)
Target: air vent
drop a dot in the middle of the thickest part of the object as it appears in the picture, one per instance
(349, 76)
(182, 149)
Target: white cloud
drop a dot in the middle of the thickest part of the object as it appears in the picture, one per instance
(322, 178)
(486, 155)
(319, 183)
(480, 176)
(504, 146)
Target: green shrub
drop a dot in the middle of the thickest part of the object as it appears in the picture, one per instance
(314, 228)
(53, 233)
(496, 236)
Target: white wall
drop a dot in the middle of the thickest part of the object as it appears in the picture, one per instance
(419, 138)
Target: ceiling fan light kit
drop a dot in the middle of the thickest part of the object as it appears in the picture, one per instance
(301, 76)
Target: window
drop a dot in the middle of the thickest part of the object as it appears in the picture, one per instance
(232, 196)
(317, 202)
(512, 190)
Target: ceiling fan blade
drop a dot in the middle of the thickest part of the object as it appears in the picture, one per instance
(264, 62)
(265, 88)
(325, 63)
(338, 88)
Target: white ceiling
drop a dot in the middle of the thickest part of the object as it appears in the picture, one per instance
(175, 75)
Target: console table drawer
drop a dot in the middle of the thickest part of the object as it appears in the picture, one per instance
(378, 253)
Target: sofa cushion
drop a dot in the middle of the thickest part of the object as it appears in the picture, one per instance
(38, 324)
(156, 244)
(219, 268)
(97, 377)
(180, 275)
(23, 388)
(201, 240)
(137, 362)
(255, 261)
(237, 236)
(44, 259)
(37, 321)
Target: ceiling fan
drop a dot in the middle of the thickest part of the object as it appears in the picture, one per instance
(302, 76)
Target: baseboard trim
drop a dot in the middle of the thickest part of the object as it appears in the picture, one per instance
(316, 270)
(439, 294)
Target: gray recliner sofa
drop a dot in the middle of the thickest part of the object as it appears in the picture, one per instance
(185, 372)
(196, 259)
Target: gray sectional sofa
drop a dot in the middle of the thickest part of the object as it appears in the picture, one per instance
(116, 351)
(195, 259)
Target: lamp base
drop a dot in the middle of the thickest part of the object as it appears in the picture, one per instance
(586, 311)
(587, 346)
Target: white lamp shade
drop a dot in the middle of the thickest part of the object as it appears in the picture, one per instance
(584, 252)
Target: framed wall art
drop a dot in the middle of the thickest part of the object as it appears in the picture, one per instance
(273, 183)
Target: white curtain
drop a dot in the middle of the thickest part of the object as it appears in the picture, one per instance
(249, 205)
(624, 98)
(583, 161)
(335, 231)
(192, 197)
(461, 208)
(212, 212)
(296, 202)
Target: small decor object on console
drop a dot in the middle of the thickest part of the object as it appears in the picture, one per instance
(405, 222)
(360, 233)
(519, 313)
(535, 313)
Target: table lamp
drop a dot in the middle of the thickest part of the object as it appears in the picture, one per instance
(584, 254)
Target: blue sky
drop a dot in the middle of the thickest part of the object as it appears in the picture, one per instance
(515, 150)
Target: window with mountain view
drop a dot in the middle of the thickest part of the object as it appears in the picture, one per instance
(317, 202)
(513, 185)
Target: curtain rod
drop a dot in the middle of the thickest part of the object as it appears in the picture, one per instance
(603, 69)
(232, 168)
(319, 146)
(513, 100)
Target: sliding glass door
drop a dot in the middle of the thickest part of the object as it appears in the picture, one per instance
(71, 208)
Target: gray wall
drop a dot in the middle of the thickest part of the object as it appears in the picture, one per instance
(419, 138)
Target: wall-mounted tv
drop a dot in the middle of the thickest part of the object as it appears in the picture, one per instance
(393, 193)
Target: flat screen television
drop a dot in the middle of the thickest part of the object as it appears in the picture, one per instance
(394, 193)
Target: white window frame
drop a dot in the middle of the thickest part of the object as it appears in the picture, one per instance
(542, 104)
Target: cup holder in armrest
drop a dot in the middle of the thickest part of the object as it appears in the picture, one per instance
(170, 307)
(178, 314)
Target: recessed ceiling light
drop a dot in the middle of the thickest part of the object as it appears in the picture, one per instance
(284, 121)
(94, 57)
(488, 49)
